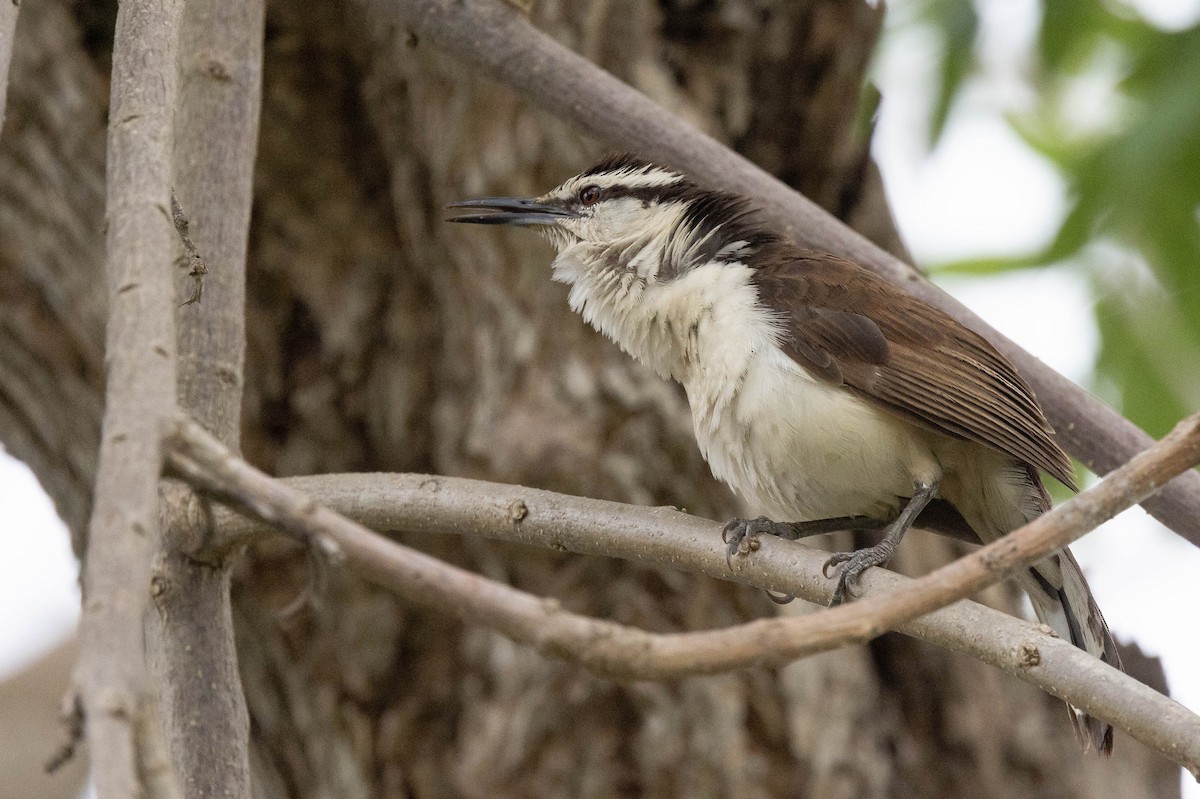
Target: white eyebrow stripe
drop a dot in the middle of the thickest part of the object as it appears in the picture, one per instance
(633, 178)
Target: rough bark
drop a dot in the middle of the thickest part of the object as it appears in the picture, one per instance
(52, 299)
(381, 339)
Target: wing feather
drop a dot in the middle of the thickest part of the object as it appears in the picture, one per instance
(845, 325)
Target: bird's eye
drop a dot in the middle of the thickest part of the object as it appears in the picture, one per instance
(589, 195)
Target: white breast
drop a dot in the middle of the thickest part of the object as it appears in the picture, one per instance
(801, 449)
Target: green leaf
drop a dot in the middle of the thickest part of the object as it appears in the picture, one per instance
(957, 24)
(1139, 353)
(979, 267)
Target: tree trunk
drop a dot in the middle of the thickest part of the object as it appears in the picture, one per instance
(380, 339)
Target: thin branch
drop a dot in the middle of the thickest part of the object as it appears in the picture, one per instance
(217, 121)
(73, 731)
(659, 535)
(191, 637)
(140, 398)
(503, 45)
(8, 27)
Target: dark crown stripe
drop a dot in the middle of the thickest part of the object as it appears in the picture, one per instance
(704, 207)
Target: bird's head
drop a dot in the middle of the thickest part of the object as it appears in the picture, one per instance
(629, 219)
(650, 257)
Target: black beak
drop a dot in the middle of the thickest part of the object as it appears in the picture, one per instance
(507, 211)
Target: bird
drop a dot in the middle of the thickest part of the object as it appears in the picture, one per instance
(828, 398)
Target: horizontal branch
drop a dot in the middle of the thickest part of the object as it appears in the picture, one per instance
(502, 44)
(431, 505)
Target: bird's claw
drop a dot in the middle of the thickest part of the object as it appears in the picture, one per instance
(852, 564)
(779, 599)
(741, 536)
(834, 560)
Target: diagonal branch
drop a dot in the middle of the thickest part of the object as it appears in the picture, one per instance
(435, 504)
(121, 713)
(502, 44)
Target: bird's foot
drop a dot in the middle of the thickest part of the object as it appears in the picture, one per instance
(741, 535)
(741, 538)
(849, 565)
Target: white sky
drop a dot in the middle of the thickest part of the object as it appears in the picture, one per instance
(980, 192)
(39, 597)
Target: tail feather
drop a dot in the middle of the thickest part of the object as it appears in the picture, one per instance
(1062, 600)
(1056, 585)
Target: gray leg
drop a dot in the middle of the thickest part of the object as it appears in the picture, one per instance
(739, 533)
(852, 564)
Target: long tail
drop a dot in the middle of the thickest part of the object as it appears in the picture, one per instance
(1056, 586)
(1061, 599)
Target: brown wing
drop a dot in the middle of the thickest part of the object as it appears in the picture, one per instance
(849, 327)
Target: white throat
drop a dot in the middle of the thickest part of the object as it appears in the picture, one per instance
(701, 328)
